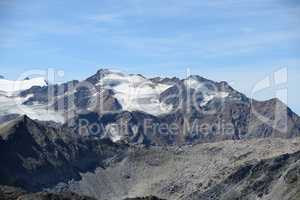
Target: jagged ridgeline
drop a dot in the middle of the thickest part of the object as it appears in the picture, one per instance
(159, 111)
(123, 136)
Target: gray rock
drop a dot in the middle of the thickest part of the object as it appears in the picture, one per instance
(276, 178)
(36, 155)
(12, 193)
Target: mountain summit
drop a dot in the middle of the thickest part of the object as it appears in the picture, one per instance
(121, 136)
(135, 108)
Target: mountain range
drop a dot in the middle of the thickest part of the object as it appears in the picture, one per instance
(117, 136)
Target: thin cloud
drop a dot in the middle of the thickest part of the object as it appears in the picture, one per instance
(207, 46)
(105, 18)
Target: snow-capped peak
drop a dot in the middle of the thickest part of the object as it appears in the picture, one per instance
(135, 92)
(10, 87)
(208, 88)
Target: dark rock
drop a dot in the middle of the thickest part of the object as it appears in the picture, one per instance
(234, 117)
(8, 117)
(144, 198)
(259, 180)
(36, 155)
(12, 193)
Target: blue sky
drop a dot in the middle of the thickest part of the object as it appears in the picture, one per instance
(240, 41)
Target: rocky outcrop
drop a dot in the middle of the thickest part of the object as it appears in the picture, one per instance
(36, 155)
(144, 198)
(173, 172)
(12, 193)
(276, 178)
(8, 117)
(202, 110)
(108, 152)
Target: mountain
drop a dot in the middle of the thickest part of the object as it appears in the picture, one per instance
(47, 161)
(8, 117)
(174, 172)
(272, 179)
(36, 155)
(144, 198)
(11, 100)
(13, 193)
(14, 103)
(198, 109)
(45, 157)
(9, 88)
(122, 136)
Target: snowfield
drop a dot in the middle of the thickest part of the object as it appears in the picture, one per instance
(208, 93)
(9, 87)
(133, 92)
(136, 93)
(12, 104)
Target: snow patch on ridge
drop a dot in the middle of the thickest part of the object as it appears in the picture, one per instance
(191, 82)
(210, 97)
(208, 90)
(113, 132)
(134, 92)
(13, 105)
(9, 87)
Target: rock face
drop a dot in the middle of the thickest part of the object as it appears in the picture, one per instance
(42, 155)
(177, 172)
(51, 196)
(128, 136)
(8, 117)
(144, 198)
(12, 193)
(36, 155)
(10, 87)
(276, 178)
(201, 110)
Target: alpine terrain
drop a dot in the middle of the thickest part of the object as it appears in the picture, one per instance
(124, 136)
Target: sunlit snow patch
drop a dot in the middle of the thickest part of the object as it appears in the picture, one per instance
(113, 132)
(208, 93)
(134, 92)
(13, 105)
(9, 87)
(210, 97)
